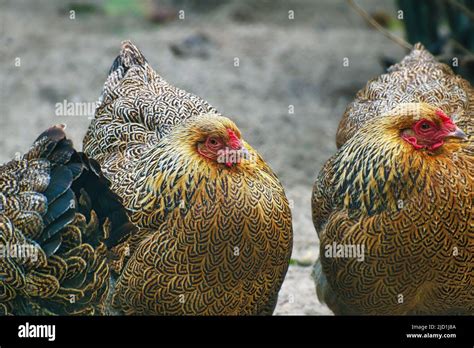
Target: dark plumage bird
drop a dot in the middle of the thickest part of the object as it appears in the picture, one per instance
(215, 232)
(400, 189)
(56, 215)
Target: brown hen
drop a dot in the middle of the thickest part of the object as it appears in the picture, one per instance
(393, 208)
(215, 232)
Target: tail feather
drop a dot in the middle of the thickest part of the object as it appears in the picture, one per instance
(39, 196)
(103, 202)
(60, 182)
(129, 56)
(51, 246)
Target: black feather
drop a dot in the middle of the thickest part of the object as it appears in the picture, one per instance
(57, 225)
(76, 169)
(61, 180)
(52, 245)
(61, 205)
(94, 189)
(62, 152)
(55, 133)
(117, 64)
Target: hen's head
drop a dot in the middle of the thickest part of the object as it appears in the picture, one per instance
(424, 127)
(216, 139)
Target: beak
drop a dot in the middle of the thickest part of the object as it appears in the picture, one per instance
(457, 133)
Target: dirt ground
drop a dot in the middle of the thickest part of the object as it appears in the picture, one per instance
(284, 65)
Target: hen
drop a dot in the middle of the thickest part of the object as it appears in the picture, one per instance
(56, 213)
(393, 208)
(215, 233)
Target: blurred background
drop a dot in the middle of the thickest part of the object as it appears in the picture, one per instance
(299, 64)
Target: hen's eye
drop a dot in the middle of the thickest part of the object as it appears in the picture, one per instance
(425, 126)
(213, 141)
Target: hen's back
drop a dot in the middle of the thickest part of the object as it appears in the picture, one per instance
(137, 108)
(419, 77)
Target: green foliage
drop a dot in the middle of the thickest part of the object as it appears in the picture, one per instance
(84, 8)
(124, 7)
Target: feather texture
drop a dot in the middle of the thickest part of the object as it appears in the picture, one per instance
(53, 252)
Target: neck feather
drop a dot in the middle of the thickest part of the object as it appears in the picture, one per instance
(374, 174)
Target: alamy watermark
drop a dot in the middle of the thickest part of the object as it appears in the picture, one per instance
(72, 109)
(335, 250)
(19, 251)
(230, 156)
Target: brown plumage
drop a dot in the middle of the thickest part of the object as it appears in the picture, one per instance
(54, 222)
(215, 233)
(400, 187)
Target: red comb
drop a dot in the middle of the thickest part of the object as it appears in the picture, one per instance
(234, 141)
(442, 115)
